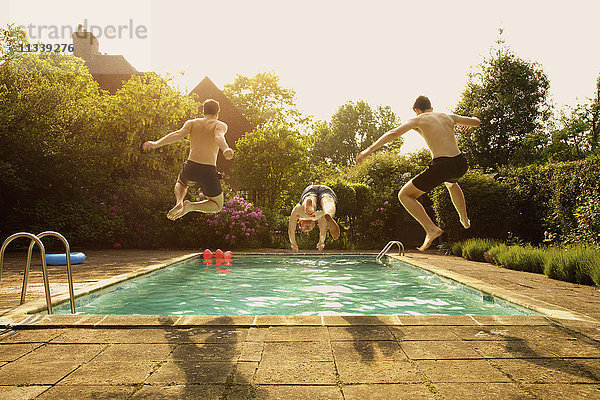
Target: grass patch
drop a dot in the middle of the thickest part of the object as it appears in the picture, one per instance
(474, 249)
(578, 264)
(520, 258)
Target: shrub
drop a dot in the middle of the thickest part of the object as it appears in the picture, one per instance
(488, 207)
(474, 249)
(236, 225)
(519, 258)
(561, 198)
(577, 264)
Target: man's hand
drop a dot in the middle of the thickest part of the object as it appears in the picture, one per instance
(320, 246)
(228, 153)
(362, 155)
(294, 247)
(147, 146)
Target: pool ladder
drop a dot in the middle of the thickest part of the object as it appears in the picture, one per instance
(36, 240)
(388, 247)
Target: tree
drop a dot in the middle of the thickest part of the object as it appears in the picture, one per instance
(510, 97)
(271, 163)
(263, 101)
(578, 135)
(145, 108)
(354, 126)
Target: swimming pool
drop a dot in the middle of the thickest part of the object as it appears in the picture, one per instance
(292, 285)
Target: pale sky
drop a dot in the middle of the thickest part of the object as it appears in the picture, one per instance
(381, 51)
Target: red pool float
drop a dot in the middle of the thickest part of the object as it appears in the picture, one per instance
(207, 254)
(228, 254)
(219, 253)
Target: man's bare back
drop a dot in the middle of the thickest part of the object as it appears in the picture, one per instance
(204, 132)
(437, 129)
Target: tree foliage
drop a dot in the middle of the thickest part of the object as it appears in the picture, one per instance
(263, 101)
(579, 134)
(354, 126)
(271, 163)
(510, 97)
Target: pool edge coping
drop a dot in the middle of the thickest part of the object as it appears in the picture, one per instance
(24, 316)
(548, 309)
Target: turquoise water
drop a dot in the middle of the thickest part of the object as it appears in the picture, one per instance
(285, 285)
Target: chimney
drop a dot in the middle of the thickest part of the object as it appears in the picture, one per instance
(85, 44)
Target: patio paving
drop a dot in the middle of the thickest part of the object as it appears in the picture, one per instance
(247, 357)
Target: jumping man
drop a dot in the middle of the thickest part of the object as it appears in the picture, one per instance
(207, 136)
(448, 164)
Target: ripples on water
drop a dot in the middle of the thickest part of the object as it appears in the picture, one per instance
(319, 285)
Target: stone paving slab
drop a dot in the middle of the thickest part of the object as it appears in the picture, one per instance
(182, 372)
(179, 391)
(296, 373)
(283, 392)
(22, 392)
(403, 391)
(384, 371)
(543, 371)
(62, 392)
(21, 373)
(461, 371)
(564, 391)
(483, 391)
(12, 352)
(111, 373)
(297, 351)
(367, 351)
(439, 350)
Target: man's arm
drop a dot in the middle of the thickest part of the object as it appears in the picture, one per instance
(220, 131)
(293, 222)
(170, 138)
(465, 121)
(322, 233)
(386, 138)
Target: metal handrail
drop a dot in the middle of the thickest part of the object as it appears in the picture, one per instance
(388, 246)
(69, 270)
(34, 240)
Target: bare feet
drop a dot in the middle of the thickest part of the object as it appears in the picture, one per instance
(309, 209)
(429, 238)
(466, 224)
(334, 228)
(174, 211)
(186, 208)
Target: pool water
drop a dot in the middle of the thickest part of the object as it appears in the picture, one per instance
(292, 285)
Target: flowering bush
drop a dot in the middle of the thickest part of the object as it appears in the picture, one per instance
(237, 224)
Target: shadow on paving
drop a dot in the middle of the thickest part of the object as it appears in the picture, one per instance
(365, 338)
(521, 350)
(203, 360)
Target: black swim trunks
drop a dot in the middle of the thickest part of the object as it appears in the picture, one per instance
(440, 170)
(319, 191)
(203, 175)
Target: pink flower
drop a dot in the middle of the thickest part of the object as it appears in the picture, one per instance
(247, 234)
(386, 203)
(114, 214)
(115, 197)
(94, 197)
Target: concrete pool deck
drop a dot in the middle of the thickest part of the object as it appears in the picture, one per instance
(262, 357)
